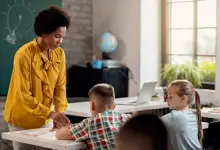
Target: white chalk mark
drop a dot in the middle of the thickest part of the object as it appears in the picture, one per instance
(11, 38)
(13, 34)
(19, 22)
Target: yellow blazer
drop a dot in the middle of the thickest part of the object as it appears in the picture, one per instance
(36, 84)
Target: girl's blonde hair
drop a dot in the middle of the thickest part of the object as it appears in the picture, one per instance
(184, 87)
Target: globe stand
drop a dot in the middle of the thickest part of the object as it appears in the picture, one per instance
(105, 56)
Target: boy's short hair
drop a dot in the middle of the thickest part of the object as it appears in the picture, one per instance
(105, 94)
(143, 132)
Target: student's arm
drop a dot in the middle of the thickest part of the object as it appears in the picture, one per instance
(78, 132)
(63, 134)
(21, 70)
(167, 119)
(176, 121)
(60, 101)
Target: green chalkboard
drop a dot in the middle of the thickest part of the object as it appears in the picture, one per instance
(16, 29)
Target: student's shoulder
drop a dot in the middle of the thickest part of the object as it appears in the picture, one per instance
(168, 117)
(83, 124)
(122, 116)
(177, 117)
(174, 114)
(93, 120)
(183, 115)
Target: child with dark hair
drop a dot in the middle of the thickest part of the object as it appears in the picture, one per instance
(143, 132)
(98, 131)
(38, 78)
(185, 125)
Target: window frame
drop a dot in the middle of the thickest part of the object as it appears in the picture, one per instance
(166, 27)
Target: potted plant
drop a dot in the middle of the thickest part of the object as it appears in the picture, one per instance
(208, 71)
(188, 71)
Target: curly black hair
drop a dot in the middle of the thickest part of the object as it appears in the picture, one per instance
(48, 20)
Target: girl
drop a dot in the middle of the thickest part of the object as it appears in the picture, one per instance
(184, 125)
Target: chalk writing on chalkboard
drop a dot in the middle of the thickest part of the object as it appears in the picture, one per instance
(19, 21)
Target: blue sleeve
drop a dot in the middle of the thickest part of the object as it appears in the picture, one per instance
(175, 120)
(167, 119)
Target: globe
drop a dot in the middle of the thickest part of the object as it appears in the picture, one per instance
(107, 42)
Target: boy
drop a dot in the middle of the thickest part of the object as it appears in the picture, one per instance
(98, 132)
(143, 132)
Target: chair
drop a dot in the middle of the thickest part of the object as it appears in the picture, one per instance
(212, 136)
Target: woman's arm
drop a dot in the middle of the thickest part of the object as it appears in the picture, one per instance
(60, 101)
(22, 74)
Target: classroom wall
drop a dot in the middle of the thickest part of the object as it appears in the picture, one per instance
(217, 82)
(136, 23)
(122, 18)
(150, 51)
(78, 41)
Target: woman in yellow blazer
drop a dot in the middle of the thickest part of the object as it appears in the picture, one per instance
(39, 76)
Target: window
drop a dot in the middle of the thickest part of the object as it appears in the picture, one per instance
(189, 31)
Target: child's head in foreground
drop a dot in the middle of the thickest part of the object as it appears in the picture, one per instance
(102, 98)
(143, 132)
(181, 94)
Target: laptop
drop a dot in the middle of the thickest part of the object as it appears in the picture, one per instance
(144, 97)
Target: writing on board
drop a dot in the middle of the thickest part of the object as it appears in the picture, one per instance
(19, 21)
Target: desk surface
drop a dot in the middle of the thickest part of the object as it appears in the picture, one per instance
(205, 113)
(42, 137)
(82, 108)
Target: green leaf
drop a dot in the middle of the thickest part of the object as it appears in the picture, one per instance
(188, 71)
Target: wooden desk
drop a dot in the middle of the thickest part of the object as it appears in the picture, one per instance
(42, 137)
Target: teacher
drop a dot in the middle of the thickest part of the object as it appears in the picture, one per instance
(39, 76)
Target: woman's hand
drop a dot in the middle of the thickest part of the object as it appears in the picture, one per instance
(59, 120)
(54, 115)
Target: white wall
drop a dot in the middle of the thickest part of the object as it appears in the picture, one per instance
(136, 23)
(122, 17)
(217, 82)
(150, 40)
